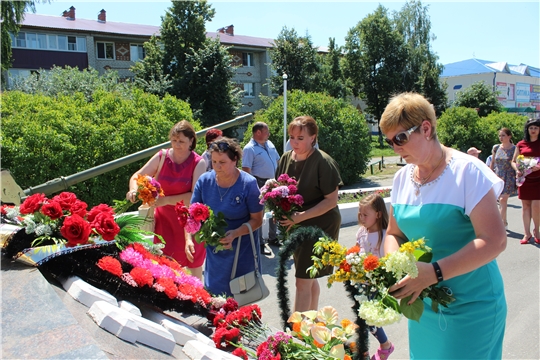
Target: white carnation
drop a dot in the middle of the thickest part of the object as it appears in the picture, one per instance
(400, 264)
(375, 314)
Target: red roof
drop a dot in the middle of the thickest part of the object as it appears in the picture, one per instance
(227, 39)
(110, 27)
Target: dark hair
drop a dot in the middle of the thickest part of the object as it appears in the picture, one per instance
(305, 122)
(212, 135)
(529, 123)
(376, 202)
(227, 146)
(187, 129)
(258, 126)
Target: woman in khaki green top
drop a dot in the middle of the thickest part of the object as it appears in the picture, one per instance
(318, 180)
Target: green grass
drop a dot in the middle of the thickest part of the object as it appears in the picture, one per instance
(377, 151)
(344, 198)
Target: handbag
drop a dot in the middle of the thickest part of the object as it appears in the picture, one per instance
(250, 287)
(146, 211)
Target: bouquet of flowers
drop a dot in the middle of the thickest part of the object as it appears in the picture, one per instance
(281, 198)
(525, 165)
(148, 189)
(373, 277)
(199, 220)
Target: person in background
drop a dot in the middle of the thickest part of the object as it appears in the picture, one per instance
(501, 164)
(373, 220)
(179, 173)
(529, 192)
(474, 152)
(449, 199)
(210, 136)
(235, 193)
(488, 160)
(318, 180)
(260, 160)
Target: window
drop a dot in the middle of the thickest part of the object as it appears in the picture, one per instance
(41, 41)
(249, 90)
(247, 59)
(72, 43)
(51, 40)
(21, 40)
(137, 52)
(62, 42)
(81, 44)
(105, 50)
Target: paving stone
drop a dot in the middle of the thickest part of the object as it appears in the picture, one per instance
(181, 331)
(85, 293)
(197, 350)
(115, 320)
(129, 307)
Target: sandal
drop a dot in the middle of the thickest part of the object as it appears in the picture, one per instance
(525, 241)
(383, 354)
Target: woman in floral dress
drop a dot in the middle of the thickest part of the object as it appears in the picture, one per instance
(501, 164)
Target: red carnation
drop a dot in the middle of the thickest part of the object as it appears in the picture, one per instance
(98, 210)
(76, 230)
(79, 207)
(105, 226)
(199, 212)
(285, 205)
(110, 264)
(182, 212)
(142, 276)
(170, 287)
(32, 203)
(52, 209)
(371, 262)
(65, 199)
(241, 353)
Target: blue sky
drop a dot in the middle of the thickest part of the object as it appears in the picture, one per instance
(487, 30)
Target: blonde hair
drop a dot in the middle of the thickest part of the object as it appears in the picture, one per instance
(408, 110)
(376, 202)
(305, 122)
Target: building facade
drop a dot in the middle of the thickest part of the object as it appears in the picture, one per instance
(45, 41)
(518, 86)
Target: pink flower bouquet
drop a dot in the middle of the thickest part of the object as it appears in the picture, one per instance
(525, 165)
(199, 220)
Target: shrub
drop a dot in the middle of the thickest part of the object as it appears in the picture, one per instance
(44, 138)
(343, 131)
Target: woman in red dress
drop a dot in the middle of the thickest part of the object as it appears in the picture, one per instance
(529, 192)
(181, 170)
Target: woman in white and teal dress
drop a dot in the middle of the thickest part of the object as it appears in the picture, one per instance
(449, 198)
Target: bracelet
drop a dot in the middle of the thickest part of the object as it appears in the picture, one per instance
(438, 272)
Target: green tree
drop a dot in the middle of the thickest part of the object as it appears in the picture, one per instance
(479, 96)
(295, 56)
(343, 131)
(149, 74)
(458, 127)
(332, 81)
(491, 125)
(375, 56)
(421, 72)
(199, 68)
(12, 13)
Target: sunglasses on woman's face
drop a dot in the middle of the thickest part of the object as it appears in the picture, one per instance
(401, 138)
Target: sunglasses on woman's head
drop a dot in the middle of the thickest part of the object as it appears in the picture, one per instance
(221, 145)
(401, 138)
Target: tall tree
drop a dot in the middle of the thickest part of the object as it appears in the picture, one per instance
(200, 68)
(295, 56)
(375, 56)
(333, 82)
(12, 14)
(479, 96)
(149, 74)
(421, 73)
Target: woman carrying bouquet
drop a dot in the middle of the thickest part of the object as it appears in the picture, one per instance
(179, 173)
(449, 198)
(529, 191)
(318, 179)
(235, 193)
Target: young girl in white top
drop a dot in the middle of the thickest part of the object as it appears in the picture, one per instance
(373, 221)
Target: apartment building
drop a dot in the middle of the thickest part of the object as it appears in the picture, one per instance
(45, 41)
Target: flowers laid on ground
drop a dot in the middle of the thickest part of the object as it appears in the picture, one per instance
(199, 220)
(525, 165)
(373, 277)
(154, 271)
(64, 219)
(230, 327)
(281, 198)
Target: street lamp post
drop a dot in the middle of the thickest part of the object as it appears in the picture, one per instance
(284, 111)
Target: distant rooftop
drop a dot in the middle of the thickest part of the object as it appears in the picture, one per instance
(477, 66)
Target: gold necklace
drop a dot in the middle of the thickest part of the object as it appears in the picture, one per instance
(219, 192)
(422, 181)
